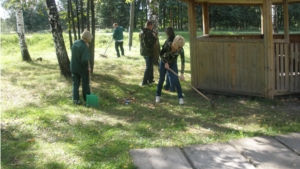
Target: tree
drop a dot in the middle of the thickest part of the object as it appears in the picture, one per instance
(21, 35)
(61, 52)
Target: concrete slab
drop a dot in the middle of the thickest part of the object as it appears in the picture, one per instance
(292, 141)
(266, 153)
(159, 158)
(216, 156)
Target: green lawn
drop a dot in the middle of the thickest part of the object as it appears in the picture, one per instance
(41, 128)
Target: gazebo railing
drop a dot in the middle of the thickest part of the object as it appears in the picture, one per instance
(287, 67)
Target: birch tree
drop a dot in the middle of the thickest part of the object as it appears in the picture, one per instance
(21, 34)
(61, 51)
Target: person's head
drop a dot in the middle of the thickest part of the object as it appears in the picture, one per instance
(86, 36)
(178, 42)
(115, 25)
(170, 32)
(149, 25)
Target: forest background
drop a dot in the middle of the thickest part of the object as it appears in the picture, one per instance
(171, 13)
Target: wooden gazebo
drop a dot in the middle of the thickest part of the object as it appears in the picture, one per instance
(263, 65)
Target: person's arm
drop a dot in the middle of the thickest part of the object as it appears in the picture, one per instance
(182, 61)
(150, 39)
(182, 64)
(114, 34)
(85, 58)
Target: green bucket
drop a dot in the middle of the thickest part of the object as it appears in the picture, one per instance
(92, 100)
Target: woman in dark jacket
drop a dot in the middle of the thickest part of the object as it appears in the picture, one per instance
(169, 54)
(170, 37)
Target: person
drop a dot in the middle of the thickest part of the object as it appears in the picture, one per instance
(118, 37)
(169, 55)
(147, 41)
(79, 66)
(170, 37)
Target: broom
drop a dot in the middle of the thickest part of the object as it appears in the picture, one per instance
(211, 102)
(103, 55)
(91, 100)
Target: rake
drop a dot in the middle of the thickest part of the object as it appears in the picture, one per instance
(103, 55)
(211, 102)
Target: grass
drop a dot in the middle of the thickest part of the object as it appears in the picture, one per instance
(41, 128)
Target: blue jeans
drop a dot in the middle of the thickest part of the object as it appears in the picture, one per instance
(168, 85)
(148, 74)
(174, 79)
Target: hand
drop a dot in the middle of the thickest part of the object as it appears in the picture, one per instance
(182, 76)
(167, 66)
(87, 44)
(89, 69)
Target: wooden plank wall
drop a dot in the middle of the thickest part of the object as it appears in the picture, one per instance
(287, 68)
(230, 65)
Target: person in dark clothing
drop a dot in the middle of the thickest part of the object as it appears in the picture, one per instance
(170, 37)
(118, 37)
(147, 41)
(80, 66)
(169, 55)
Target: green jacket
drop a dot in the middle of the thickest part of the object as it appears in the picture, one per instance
(147, 41)
(118, 33)
(80, 57)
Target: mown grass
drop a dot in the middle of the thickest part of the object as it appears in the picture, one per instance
(41, 128)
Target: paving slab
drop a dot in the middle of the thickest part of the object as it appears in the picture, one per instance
(216, 156)
(267, 153)
(292, 141)
(159, 158)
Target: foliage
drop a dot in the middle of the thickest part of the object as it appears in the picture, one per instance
(41, 128)
(171, 13)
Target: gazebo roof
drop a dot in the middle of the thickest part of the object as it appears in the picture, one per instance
(240, 2)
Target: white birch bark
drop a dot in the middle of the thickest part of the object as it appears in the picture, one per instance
(61, 51)
(21, 35)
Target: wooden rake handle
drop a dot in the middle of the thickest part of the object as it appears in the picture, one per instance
(191, 86)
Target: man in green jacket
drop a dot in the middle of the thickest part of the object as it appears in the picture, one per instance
(118, 37)
(147, 42)
(80, 66)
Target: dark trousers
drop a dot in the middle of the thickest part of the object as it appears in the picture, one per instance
(174, 79)
(117, 46)
(148, 74)
(77, 77)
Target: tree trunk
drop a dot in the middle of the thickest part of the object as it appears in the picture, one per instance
(73, 22)
(69, 24)
(21, 34)
(88, 15)
(81, 15)
(92, 45)
(153, 13)
(61, 52)
(78, 20)
(132, 6)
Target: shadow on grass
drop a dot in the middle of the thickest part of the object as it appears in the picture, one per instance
(98, 136)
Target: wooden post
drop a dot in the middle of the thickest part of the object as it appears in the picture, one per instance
(262, 20)
(192, 32)
(286, 20)
(269, 50)
(205, 18)
(288, 64)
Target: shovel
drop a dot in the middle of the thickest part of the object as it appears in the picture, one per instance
(211, 102)
(91, 100)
